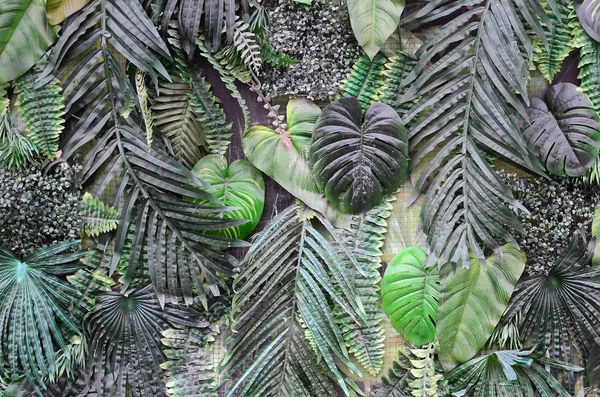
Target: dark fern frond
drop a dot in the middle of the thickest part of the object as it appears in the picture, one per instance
(364, 80)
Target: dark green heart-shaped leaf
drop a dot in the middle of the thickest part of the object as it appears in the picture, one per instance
(356, 166)
(410, 295)
(238, 184)
(564, 131)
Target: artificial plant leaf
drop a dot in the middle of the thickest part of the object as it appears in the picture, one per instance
(565, 299)
(596, 235)
(125, 337)
(358, 163)
(283, 294)
(364, 81)
(284, 157)
(239, 185)
(472, 302)
(373, 21)
(97, 217)
(59, 10)
(24, 36)
(588, 17)
(34, 315)
(560, 39)
(410, 294)
(564, 131)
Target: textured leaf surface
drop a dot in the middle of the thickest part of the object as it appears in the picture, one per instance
(564, 131)
(472, 302)
(364, 81)
(588, 14)
(58, 10)
(238, 184)
(357, 163)
(24, 36)
(560, 39)
(410, 296)
(284, 157)
(373, 21)
(97, 217)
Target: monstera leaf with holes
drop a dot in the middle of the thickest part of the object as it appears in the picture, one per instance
(472, 302)
(515, 373)
(24, 36)
(357, 163)
(588, 16)
(564, 131)
(125, 336)
(283, 156)
(410, 294)
(34, 315)
(239, 185)
(374, 21)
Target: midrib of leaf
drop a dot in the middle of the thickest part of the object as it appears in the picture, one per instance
(122, 153)
(466, 122)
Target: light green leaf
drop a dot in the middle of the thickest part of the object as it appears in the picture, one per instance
(238, 184)
(58, 10)
(24, 36)
(410, 295)
(373, 21)
(472, 302)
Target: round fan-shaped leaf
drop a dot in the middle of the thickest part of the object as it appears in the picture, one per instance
(588, 16)
(410, 294)
(24, 36)
(472, 302)
(357, 166)
(238, 184)
(564, 132)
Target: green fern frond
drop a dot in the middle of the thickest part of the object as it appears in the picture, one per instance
(589, 61)
(227, 78)
(42, 110)
(230, 60)
(145, 112)
(248, 49)
(97, 217)
(364, 80)
(393, 88)
(275, 58)
(560, 39)
(364, 240)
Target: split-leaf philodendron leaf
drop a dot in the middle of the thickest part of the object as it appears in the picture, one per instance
(410, 294)
(373, 21)
(564, 131)
(284, 157)
(358, 163)
(472, 302)
(238, 184)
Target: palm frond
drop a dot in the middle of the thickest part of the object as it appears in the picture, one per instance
(97, 217)
(125, 336)
(560, 39)
(364, 240)
(285, 283)
(364, 80)
(151, 185)
(42, 110)
(566, 299)
(464, 102)
(34, 315)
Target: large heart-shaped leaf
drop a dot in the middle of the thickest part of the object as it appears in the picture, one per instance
(284, 157)
(472, 302)
(24, 36)
(357, 166)
(564, 132)
(373, 21)
(238, 184)
(58, 10)
(410, 295)
(589, 17)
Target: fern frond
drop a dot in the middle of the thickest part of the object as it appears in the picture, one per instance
(364, 80)
(393, 88)
(174, 115)
(275, 58)
(228, 79)
(364, 240)
(560, 39)
(230, 60)
(248, 49)
(589, 61)
(285, 282)
(466, 101)
(41, 109)
(97, 216)
(145, 112)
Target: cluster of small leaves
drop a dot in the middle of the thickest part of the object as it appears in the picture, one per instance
(320, 37)
(37, 210)
(558, 207)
